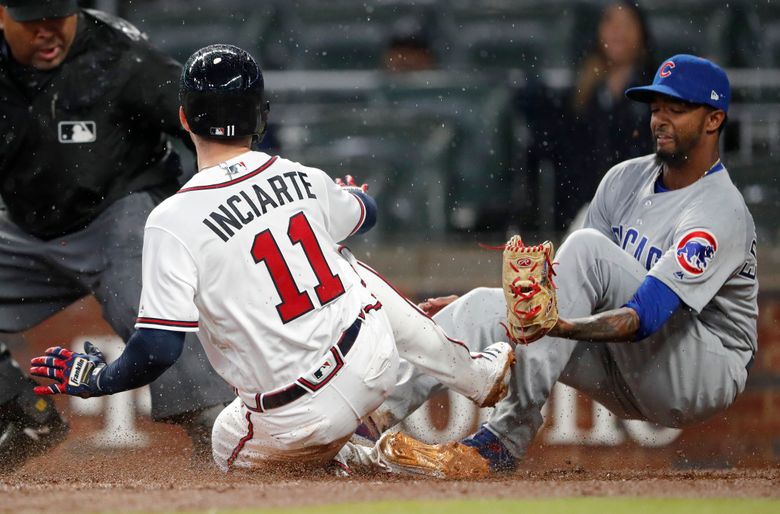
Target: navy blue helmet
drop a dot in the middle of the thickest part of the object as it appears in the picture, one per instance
(222, 93)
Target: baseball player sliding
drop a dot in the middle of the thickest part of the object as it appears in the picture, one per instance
(246, 254)
(657, 294)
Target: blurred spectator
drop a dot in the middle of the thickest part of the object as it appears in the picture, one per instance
(603, 127)
(410, 47)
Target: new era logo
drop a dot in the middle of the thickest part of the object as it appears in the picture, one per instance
(714, 96)
(77, 132)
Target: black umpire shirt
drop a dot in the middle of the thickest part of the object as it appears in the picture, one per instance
(77, 138)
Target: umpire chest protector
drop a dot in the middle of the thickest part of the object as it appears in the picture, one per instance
(89, 132)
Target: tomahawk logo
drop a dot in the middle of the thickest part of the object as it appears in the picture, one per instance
(695, 251)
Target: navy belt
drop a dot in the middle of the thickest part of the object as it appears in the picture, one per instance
(301, 387)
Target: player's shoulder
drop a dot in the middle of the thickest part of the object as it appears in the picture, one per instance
(310, 171)
(723, 199)
(165, 213)
(636, 168)
(115, 25)
(289, 163)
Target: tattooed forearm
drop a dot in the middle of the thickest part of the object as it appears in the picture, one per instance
(617, 325)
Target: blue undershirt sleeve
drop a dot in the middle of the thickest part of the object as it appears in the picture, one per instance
(371, 211)
(654, 303)
(148, 353)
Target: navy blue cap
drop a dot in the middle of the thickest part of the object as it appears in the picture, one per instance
(688, 78)
(33, 10)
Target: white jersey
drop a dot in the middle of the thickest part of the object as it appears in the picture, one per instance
(699, 240)
(246, 254)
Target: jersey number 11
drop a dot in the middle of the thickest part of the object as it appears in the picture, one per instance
(296, 303)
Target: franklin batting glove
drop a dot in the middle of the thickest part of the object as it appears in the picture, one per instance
(75, 374)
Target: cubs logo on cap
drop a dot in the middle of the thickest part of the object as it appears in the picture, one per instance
(695, 251)
(687, 78)
(666, 69)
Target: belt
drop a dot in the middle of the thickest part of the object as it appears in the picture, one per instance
(281, 397)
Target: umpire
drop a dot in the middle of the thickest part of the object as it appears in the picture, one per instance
(86, 107)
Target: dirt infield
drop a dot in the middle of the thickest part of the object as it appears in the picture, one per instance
(78, 478)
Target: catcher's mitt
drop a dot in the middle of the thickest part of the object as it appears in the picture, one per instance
(532, 309)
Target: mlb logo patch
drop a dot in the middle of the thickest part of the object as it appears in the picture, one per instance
(228, 131)
(233, 169)
(77, 132)
(695, 251)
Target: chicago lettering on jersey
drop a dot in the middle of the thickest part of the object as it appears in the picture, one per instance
(253, 201)
(634, 243)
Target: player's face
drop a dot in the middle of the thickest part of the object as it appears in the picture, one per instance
(677, 128)
(42, 44)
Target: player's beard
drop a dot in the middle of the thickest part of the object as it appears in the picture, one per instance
(682, 149)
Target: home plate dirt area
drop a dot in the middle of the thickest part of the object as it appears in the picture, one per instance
(76, 477)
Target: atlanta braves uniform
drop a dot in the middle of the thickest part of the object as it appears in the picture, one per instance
(246, 254)
(699, 240)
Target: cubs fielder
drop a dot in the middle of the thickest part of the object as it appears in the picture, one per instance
(246, 253)
(657, 294)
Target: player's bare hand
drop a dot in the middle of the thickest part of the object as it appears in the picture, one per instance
(348, 182)
(433, 305)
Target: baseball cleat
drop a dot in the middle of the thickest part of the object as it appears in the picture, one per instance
(498, 359)
(403, 454)
(29, 426)
(492, 450)
(339, 469)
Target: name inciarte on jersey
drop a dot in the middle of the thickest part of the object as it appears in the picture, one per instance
(636, 244)
(253, 201)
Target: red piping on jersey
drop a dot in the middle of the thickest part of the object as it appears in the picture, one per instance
(234, 181)
(362, 215)
(374, 307)
(417, 309)
(168, 322)
(242, 442)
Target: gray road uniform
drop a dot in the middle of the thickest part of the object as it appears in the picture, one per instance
(700, 241)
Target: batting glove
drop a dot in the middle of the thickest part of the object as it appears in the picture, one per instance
(348, 183)
(75, 374)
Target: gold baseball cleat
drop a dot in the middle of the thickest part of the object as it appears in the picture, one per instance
(405, 454)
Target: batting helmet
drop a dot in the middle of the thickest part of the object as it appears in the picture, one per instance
(221, 92)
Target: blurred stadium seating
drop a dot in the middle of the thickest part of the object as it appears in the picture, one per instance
(446, 150)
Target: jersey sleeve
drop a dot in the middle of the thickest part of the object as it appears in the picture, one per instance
(597, 214)
(346, 212)
(169, 284)
(708, 248)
